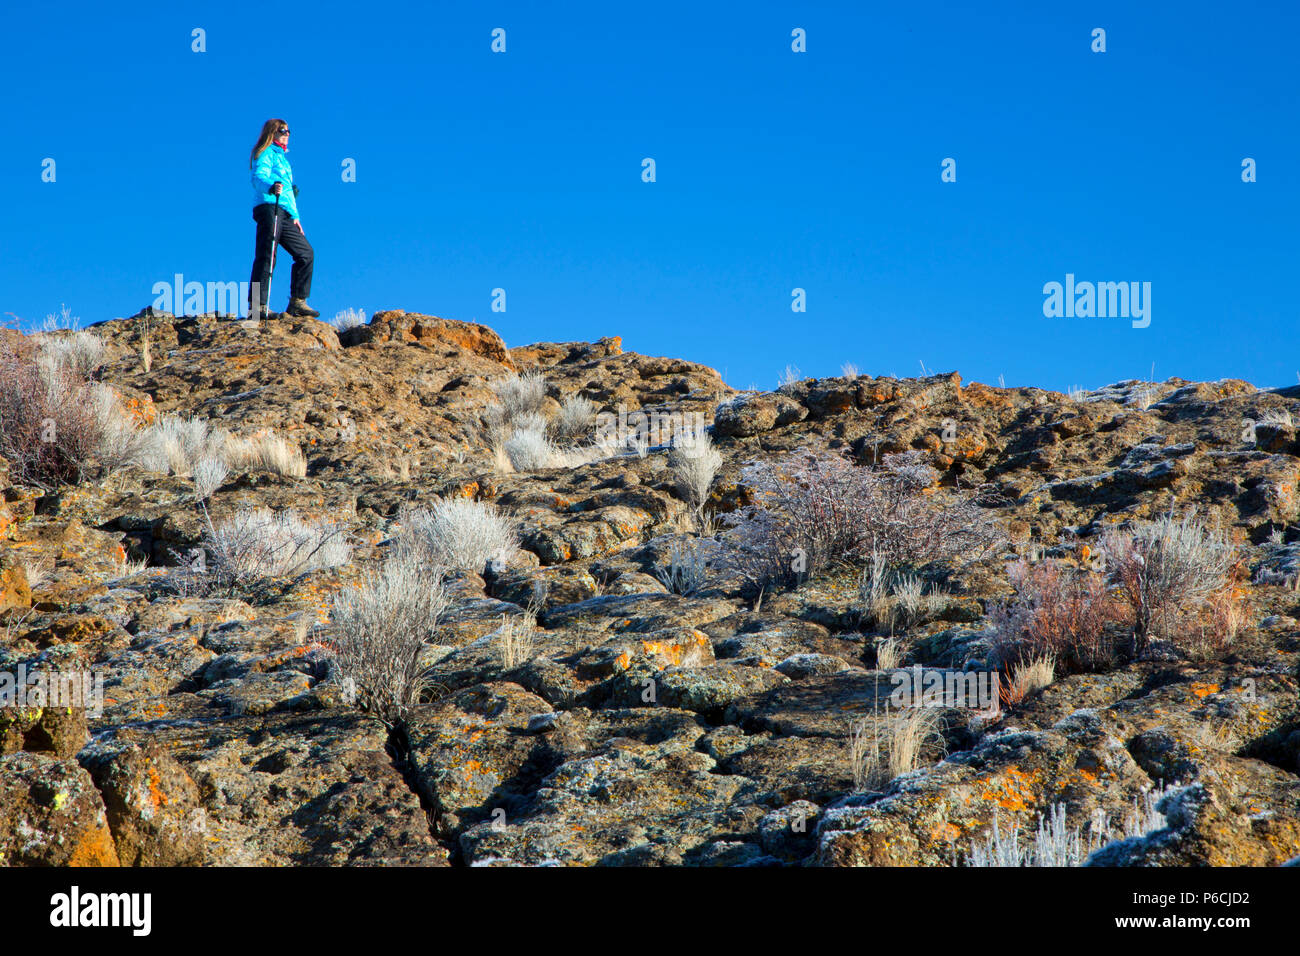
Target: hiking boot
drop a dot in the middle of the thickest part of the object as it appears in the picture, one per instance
(262, 313)
(300, 308)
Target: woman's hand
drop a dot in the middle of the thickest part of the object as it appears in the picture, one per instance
(277, 189)
(299, 225)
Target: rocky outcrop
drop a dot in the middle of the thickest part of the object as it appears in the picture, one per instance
(429, 331)
(643, 727)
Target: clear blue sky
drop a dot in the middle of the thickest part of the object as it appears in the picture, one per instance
(775, 170)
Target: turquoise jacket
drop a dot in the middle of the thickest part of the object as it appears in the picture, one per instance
(273, 167)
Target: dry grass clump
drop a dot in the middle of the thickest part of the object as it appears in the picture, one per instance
(521, 436)
(181, 445)
(873, 588)
(886, 744)
(790, 377)
(1028, 678)
(58, 425)
(890, 652)
(517, 428)
(529, 449)
(1276, 416)
(909, 597)
(38, 570)
(265, 452)
(891, 599)
(122, 442)
(380, 629)
(255, 544)
(515, 638)
(459, 533)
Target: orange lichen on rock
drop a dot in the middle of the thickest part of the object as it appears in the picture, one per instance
(95, 847)
(156, 796)
(1015, 792)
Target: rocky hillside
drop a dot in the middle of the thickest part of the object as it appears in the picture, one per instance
(227, 737)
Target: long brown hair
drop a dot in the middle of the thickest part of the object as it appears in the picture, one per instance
(269, 130)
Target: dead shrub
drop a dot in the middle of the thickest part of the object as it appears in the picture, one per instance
(814, 510)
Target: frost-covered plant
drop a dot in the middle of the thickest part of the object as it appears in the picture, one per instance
(62, 321)
(82, 352)
(184, 442)
(1176, 576)
(51, 430)
(380, 629)
(813, 510)
(686, 571)
(694, 463)
(575, 420)
(522, 394)
(1055, 843)
(348, 319)
(528, 449)
(459, 533)
(257, 543)
(209, 474)
(122, 442)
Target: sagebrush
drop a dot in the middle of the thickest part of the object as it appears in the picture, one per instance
(380, 629)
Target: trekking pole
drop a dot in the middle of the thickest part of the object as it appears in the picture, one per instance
(275, 240)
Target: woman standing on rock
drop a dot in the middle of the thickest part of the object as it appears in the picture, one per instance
(276, 213)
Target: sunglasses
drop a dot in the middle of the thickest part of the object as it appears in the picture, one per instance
(283, 132)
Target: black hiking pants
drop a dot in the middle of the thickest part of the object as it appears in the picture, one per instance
(292, 241)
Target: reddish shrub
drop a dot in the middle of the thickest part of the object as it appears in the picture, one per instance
(48, 427)
(1059, 611)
